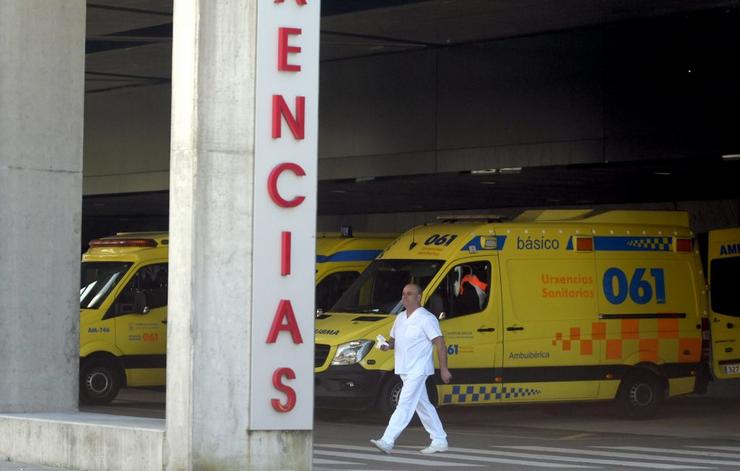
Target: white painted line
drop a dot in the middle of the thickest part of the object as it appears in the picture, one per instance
(377, 456)
(321, 468)
(634, 456)
(439, 457)
(724, 448)
(578, 459)
(323, 461)
(673, 451)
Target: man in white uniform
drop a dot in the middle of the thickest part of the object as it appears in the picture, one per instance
(414, 335)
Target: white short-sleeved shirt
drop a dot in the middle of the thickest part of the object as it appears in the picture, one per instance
(413, 342)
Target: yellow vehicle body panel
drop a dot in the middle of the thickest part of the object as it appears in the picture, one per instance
(569, 304)
(723, 258)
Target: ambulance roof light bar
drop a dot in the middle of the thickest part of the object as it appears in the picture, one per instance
(472, 217)
(123, 243)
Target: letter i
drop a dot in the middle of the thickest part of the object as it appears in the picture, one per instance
(285, 253)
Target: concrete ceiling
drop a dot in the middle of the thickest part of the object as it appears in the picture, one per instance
(129, 44)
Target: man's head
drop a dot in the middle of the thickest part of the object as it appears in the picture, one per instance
(411, 297)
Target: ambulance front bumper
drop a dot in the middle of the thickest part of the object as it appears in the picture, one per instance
(348, 387)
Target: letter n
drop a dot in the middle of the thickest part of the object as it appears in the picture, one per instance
(295, 122)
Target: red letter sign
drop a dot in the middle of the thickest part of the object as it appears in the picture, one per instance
(272, 185)
(285, 254)
(299, 2)
(284, 49)
(277, 377)
(284, 312)
(296, 124)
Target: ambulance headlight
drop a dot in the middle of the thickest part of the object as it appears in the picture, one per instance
(352, 352)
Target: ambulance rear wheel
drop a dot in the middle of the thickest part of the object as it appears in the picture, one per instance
(640, 395)
(100, 381)
(389, 396)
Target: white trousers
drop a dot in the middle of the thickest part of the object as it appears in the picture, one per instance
(414, 398)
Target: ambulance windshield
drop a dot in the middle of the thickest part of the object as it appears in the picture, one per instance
(378, 289)
(97, 280)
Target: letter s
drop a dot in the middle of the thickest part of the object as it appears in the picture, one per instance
(277, 382)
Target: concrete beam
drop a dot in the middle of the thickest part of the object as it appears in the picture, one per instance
(41, 113)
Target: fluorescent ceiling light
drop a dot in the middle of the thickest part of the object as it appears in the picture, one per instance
(731, 157)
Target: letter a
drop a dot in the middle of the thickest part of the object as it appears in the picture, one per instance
(284, 320)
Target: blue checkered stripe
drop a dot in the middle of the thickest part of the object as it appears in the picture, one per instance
(486, 393)
(662, 244)
(631, 243)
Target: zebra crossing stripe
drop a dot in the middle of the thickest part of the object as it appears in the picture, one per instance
(376, 456)
(323, 461)
(360, 467)
(714, 454)
(448, 456)
(579, 459)
(722, 448)
(617, 454)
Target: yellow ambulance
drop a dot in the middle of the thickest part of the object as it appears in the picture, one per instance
(555, 305)
(723, 257)
(340, 258)
(123, 304)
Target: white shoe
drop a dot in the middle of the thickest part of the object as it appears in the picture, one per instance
(435, 448)
(383, 446)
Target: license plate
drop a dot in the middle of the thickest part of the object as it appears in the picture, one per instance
(732, 369)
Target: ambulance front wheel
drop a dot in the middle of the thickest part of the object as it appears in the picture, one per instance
(389, 396)
(392, 391)
(640, 395)
(100, 381)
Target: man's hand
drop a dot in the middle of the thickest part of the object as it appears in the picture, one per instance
(446, 375)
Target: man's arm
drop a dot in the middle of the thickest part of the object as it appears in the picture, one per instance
(439, 344)
(391, 344)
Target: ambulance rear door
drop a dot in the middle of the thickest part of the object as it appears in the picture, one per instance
(723, 259)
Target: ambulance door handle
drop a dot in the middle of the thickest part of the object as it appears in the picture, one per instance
(515, 327)
(489, 329)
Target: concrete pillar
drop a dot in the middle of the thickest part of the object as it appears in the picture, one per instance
(41, 110)
(217, 186)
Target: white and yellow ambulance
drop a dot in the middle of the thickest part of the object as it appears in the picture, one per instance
(723, 258)
(123, 304)
(555, 305)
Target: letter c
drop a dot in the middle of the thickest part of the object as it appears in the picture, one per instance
(272, 184)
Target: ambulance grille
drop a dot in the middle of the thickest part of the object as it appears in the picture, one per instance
(320, 354)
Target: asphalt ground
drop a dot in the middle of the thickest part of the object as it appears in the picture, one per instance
(690, 432)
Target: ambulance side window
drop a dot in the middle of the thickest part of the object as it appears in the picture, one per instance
(147, 288)
(465, 290)
(331, 288)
